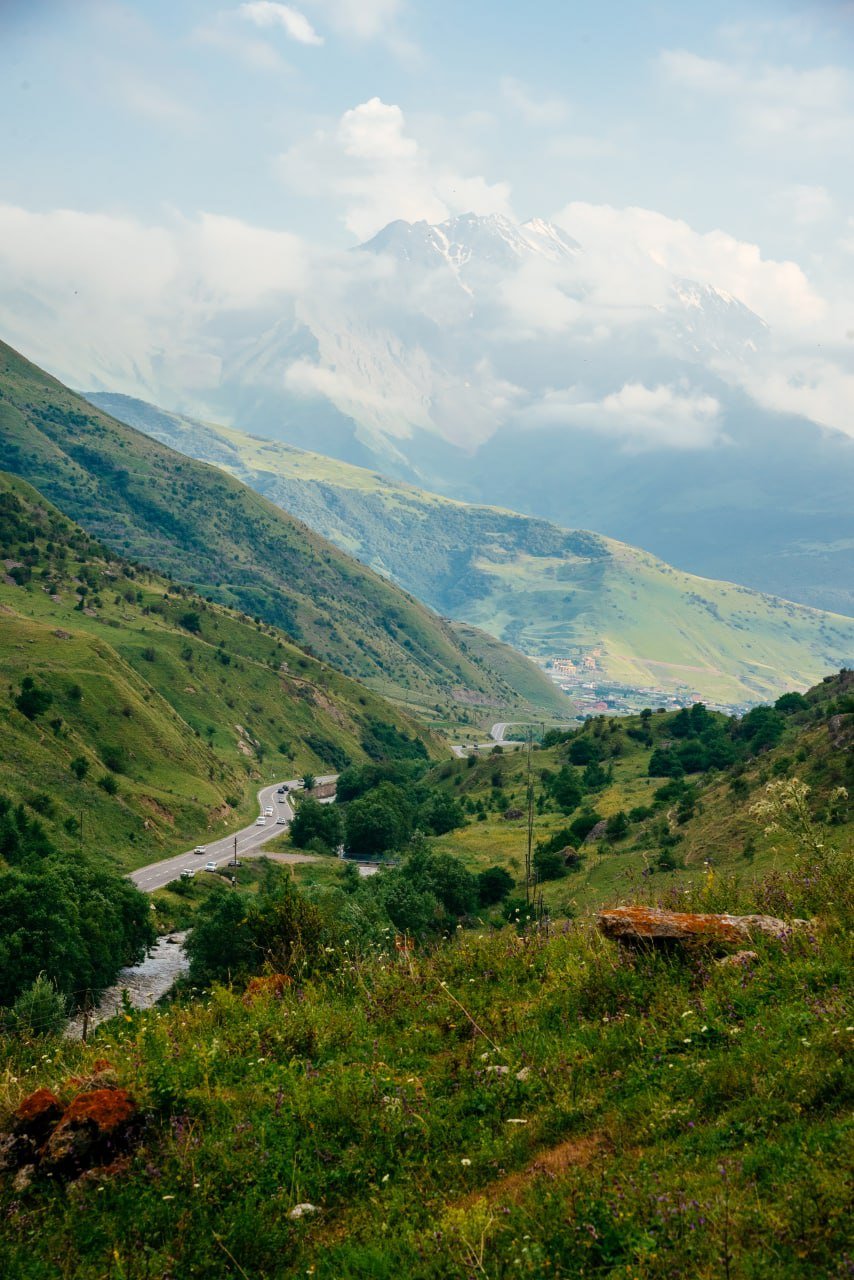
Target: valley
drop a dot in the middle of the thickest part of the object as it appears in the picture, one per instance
(614, 626)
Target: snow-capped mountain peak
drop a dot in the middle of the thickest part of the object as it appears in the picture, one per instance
(471, 239)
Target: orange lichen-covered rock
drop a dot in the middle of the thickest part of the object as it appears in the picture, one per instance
(94, 1128)
(37, 1113)
(272, 984)
(639, 925)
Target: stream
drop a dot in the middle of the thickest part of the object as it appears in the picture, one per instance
(145, 983)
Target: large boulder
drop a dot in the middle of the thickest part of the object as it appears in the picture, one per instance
(95, 1128)
(639, 926)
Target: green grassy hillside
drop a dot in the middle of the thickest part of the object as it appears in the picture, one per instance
(673, 834)
(527, 1101)
(165, 711)
(199, 526)
(546, 591)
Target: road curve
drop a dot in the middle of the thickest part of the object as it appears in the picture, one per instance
(250, 842)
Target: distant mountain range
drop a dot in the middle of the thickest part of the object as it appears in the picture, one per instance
(509, 364)
(595, 382)
(550, 592)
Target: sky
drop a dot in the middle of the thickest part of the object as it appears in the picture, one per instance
(139, 135)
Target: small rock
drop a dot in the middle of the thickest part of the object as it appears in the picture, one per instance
(303, 1211)
(498, 1071)
(23, 1178)
(739, 959)
(15, 1150)
(597, 832)
(523, 1074)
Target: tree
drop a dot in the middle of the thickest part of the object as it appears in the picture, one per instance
(79, 767)
(33, 700)
(493, 885)
(441, 813)
(40, 1010)
(309, 781)
(191, 621)
(584, 824)
(567, 790)
(220, 946)
(373, 826)
(618, 826)
(318, 822)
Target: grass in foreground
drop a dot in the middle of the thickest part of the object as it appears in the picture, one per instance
(512, 1104)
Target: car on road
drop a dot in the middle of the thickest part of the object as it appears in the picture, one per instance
(188, 873)
(283, 790)
(281, 821)
(210, 866)
(268, 812)
(260, 822)
(200, 848)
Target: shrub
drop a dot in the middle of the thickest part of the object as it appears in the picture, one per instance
(40, 1010)
(493, 885)
(32, 700)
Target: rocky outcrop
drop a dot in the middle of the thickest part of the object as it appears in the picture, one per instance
(94, 1129)
(639, 926)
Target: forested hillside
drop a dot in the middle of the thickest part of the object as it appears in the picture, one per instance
(204, 528)
(138, 716)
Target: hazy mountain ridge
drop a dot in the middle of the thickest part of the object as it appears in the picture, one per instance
(551, 592)
(201, 526)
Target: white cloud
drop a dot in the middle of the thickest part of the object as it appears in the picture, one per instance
(641, 417)
(267, 13)
(637, 250)
(534, 111)
(365, 19)
(378, 170)
(790, 105)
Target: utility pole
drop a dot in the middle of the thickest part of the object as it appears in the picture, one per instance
(529, 858)
(234, 859)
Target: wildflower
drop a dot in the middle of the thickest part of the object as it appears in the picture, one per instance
(384, 1178)
(687, 1040)
(465, 1161)
(168, 1197)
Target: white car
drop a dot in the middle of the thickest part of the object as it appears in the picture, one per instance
(281, 822)
(268, 812)
(200, 848)
(187, 873)
(260, 822)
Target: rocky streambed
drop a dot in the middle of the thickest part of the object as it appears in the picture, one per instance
(144, 983)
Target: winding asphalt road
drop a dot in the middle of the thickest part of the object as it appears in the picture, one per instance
(250, 842)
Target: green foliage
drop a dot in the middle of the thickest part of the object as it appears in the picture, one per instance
(33, 700)
(494, 884)
(63, 917)
(40, 1010)
(317, 825)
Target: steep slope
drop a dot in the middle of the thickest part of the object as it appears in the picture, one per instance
(199, 526)
(155, 713)
(548, 591)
